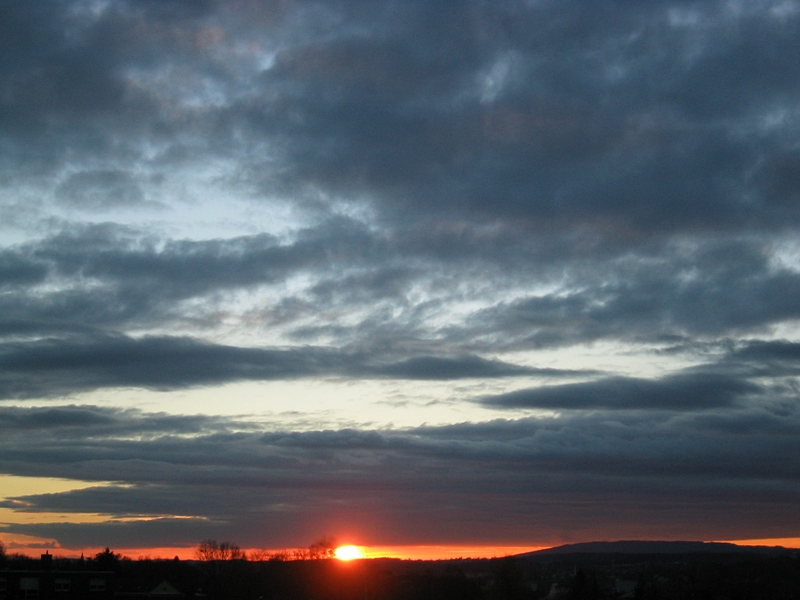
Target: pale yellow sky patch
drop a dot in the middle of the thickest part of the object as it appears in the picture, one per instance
(9, 516)
(311, 403)
(14, 486)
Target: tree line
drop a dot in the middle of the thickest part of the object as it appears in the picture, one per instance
(211, 550)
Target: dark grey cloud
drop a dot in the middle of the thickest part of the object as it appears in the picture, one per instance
(432, 367)
(618, 118)
(736, 380)
(100, 189)
(106, 275)
(659, 473)
(62, 83)
(464, 180)
(109, 277)
(675, 392)
(772, 352)
(701, 289)
(106, 422)
(16, 269)
(560, 115)
(55, 367)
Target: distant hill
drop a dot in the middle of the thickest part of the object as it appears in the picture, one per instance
(646, 547)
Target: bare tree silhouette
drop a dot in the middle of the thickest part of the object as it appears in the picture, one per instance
(209, 550)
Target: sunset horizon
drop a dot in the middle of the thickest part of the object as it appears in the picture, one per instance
(427, 278)
(422, 552)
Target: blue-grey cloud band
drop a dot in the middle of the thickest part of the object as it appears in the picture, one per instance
(222, 474)
(56, 367)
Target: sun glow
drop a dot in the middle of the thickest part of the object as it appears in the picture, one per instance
(349, 553)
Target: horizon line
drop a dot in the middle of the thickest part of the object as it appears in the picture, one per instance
(400, 551)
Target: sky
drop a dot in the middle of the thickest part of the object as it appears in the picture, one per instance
(474, 274)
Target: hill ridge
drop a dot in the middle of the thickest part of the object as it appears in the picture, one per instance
(653, 547)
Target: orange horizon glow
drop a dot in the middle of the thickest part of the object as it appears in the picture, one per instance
(446, 552)
(349, 553)
(407, 552)
(785, 542)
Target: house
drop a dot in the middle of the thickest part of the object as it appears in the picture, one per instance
(49, 583)
(163, 591)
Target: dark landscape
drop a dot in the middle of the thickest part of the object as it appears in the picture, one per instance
(434, 279)
(591, 571)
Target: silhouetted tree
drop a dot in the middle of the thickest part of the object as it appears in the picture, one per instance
(223, 570)
(107, 560)
(325, 547)
(211, 550)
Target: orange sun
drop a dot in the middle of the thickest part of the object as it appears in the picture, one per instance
(349, 553)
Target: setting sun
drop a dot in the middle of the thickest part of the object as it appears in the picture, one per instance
(349, 553)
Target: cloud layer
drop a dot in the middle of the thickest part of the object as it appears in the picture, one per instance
(580, 218)
(511, 481)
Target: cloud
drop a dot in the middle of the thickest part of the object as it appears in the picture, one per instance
(104, 422)
(432, 367)
(100, 189)
(108, 275)
(263, 487)
(608, 119)
(685, 391)
(735, 380)
(363, 287)
(627, 121)
(780, 351)
(414, 191)
(700, 289)
(55, 367)
(19, 270)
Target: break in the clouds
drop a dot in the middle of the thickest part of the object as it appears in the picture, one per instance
(370, 230)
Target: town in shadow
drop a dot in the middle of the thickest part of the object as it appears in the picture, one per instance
(594, 571)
